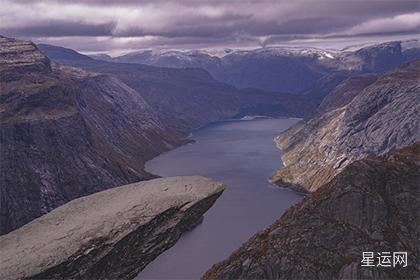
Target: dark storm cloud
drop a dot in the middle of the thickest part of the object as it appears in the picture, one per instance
(196, 26)
(113, 24)
(55, 28)
(351, 7)
(316, 25)
(235, 24)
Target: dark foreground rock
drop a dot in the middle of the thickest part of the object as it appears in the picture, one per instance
(371, 206)
(112, 234)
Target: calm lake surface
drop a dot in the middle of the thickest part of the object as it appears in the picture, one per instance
(241, 154)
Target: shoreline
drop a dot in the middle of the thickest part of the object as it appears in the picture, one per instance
(250, 203)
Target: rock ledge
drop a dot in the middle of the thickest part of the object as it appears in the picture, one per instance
(110, 234)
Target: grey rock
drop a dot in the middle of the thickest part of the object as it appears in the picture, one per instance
(345, 91)
(112, 234)
(18, 57)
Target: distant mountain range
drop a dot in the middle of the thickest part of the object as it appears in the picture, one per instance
(189, 97)
(277, 69)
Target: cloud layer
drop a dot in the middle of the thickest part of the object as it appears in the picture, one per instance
(104, 25)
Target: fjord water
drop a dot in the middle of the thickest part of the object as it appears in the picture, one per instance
(241, 154)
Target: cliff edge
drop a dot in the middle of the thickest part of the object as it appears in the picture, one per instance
(112, 234)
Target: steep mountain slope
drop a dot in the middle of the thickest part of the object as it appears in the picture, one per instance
(66, 133)
(373, 205)
(382, 113)
(112, 234)
(344, 92)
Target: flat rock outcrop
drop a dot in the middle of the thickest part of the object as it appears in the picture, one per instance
(112, 234)
(18, 57)
(379, 115)
(373, 205)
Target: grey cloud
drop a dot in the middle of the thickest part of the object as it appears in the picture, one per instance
(60, 29)
(353, 7)
(313, 25)
(183, 22)
(197, 26)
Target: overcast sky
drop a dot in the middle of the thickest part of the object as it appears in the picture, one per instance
(126, 25)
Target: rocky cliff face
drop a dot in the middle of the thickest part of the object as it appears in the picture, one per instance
(345, 91)
(373, 205)
(66, 133)
(379, 114)
(18, 57)
(112, 234)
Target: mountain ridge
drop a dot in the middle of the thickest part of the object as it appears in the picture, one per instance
(305, 66)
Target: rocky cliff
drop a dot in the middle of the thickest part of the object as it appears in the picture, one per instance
(362, 117)
(112, 234)
(66, 133)
(18, 57)
(373, 205)
(345, 91)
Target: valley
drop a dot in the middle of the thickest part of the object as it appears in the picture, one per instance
(241, 154)
(82, 132)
